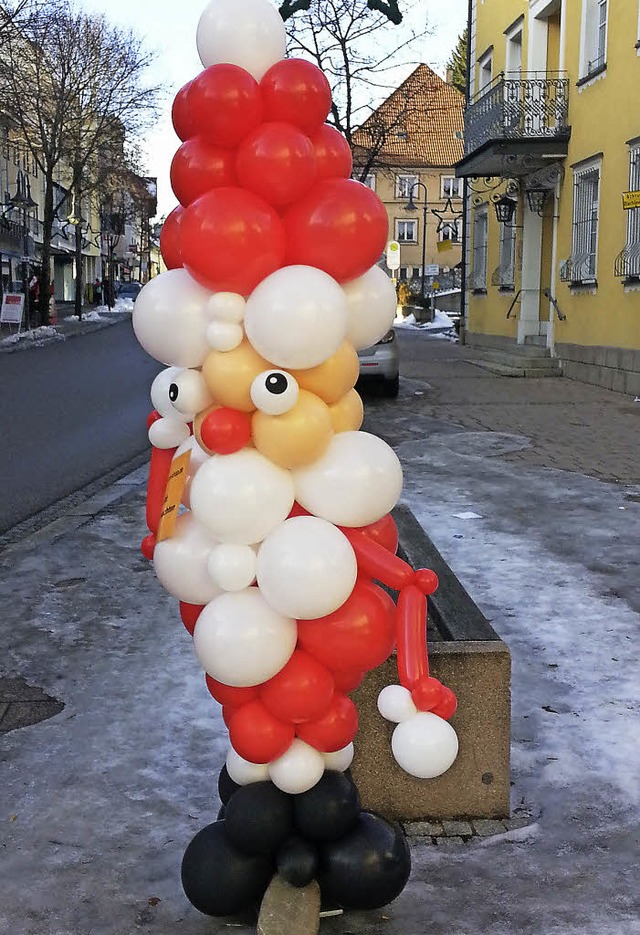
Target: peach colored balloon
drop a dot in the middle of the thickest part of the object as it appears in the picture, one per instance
(347, 414)
(334, 377)
(229, 375)
(296, 438)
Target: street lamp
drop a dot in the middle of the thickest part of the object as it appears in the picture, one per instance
(411, 206)
(23, 201)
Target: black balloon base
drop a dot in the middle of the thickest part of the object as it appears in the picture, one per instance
(360, 860)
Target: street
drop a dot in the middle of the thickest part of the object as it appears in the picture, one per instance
(74, 410)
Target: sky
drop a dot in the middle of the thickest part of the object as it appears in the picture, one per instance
(169, 30)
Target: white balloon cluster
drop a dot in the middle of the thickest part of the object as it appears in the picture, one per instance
(423, 744)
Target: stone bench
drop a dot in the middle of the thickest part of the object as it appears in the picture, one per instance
(468, 656)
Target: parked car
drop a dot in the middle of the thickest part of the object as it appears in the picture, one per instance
(128, 290)
(381, 362)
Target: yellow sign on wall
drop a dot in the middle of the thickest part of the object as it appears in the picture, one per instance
(630, 200)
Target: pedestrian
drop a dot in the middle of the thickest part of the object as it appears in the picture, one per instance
(34, 290)
(97, 291)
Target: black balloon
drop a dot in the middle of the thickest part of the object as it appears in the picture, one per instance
(218, 878)
(368, 867)
(259, 818)
(226, 786)
(221, 812)
(328, 810)
(297, 861)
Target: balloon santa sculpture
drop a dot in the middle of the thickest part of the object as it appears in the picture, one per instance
(268, 509)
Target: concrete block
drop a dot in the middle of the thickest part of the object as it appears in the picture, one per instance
(457, 829)
(423, 829)
(484, 827)
(477, 785)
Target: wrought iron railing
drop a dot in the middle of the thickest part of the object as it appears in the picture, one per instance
(627, 263)
(579, 269)
(518, 109)
(503, 276)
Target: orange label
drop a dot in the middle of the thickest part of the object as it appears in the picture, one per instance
(173, 496)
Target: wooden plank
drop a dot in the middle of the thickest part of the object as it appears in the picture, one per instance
(290, 910)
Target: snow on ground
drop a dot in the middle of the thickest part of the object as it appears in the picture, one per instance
(34, 335)
(440, 325)
(122, 307)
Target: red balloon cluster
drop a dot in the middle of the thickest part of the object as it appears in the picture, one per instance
(263, 181)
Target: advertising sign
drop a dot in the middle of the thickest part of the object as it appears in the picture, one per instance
(12, 308)
(630, 200)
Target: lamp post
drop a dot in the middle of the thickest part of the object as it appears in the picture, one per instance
(23, 201)
(412, 206)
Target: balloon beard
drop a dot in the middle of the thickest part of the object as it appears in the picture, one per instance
(268, 509)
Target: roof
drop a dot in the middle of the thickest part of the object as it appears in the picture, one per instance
(416, 125)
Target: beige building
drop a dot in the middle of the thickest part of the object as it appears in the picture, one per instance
(406, 151)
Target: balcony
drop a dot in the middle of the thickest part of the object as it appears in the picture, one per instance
(515, 127)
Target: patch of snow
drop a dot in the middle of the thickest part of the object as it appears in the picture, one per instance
(46, 332)
(122, 307)
(93, 315)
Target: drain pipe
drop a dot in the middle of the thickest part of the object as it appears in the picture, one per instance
(464, 301)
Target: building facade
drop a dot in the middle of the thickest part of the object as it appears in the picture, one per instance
(406, 151)
(552, 138)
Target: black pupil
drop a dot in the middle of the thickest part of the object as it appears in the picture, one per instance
(173, 392)
(277, 383)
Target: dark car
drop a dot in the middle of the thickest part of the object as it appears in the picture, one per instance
(128, 290)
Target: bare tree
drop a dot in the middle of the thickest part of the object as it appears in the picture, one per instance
(361, 56)
(68, 79)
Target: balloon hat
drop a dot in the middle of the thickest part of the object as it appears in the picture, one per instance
(268, 510)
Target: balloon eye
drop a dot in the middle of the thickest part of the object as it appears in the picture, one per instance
(173, 392)
(274, 392)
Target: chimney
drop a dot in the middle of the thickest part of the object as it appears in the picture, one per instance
(449, 74)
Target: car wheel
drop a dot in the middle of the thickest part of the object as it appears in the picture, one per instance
(392, 387)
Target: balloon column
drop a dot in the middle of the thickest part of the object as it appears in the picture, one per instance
(267, 508)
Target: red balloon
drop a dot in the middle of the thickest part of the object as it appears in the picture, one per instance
(228, 712)
(302, 690)
(426, 580)
(170, 239)
(413, 663)
(384, 531)
(334, 729)
(180, 115)
(257, 735)
(148, 546)
(340, 226)
(447, 705)
(333, 154)
(190, 614)
(297, 92)
(427, 693)
(358, 635)
(297, 510)
(228, 695)
(231, 240)
(198, 167)
(346, 680)
(277, 162)
(225, 430)
(224, 104)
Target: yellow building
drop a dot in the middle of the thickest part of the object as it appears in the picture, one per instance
(553, 130)
(406, 151)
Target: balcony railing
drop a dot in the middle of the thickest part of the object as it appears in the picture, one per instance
(518, 109)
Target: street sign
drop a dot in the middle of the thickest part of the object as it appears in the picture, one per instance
(630, 200)
(431, 269)
(393, 255)
(12, 308)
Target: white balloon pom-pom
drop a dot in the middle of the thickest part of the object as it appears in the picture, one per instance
(340, 760)
(233, 567)
(297, 770)
(224, 335)
(243, 772)
(226, 307)
(424, 746)
(371, 307)
(181, 562)
(168, 433)
(297, 317)
(241, 641)
(396, 704)
(355, 482)
(306, 568)
(241, 497)
(169, 319)
(248, 33)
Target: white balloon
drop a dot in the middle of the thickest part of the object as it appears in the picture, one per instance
(197, 457)
(226, 307)
(306, 568)
(224, 335)
(248, 33)
(297, 770)
(396, 704)
(355, 482)
(233, 567)
(160, 399)
(241, 641)
(296, 317)
(168, 433)
(189, 393)
(169, 319)
(181, 562)
(340, 760)
(243, 772)
(424, 746)
(371, 307)
(241, 497)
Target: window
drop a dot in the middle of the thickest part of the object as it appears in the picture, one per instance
(582, 265)
(450, 187)
(506, 271)
(406, 231)
(480, 247)
(485, 71)
(593, 57)
(449, 231)
(404, 184)
(628, 261)
(370, 181)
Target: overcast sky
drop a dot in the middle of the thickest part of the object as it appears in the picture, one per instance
(169, 29)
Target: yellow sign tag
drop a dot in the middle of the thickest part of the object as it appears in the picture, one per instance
(444, 245)
(173, 496)
(630, 200)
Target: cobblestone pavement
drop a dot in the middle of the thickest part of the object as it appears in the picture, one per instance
(571, 426)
